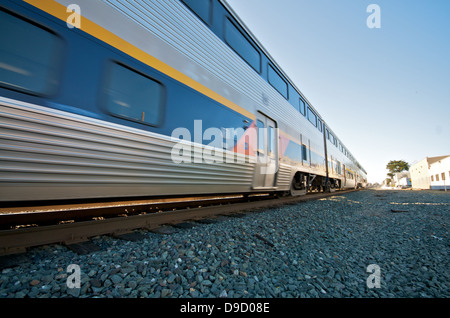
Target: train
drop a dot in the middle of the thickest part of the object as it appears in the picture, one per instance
(147, 98)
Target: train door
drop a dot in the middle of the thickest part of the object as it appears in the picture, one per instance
(267, 152)
(345, 176)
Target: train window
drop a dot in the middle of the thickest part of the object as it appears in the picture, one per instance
(332, 138)
(29, 56)
(295, 97)
(202, 8)
(239, 43)
(304, 153)
(319, 122)
(134, 96)
(302, 107)
(278, 82)
(271, 140)
(312, 117)
(338, 167)
(260, 126)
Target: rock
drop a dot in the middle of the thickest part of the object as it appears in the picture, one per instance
(190, 274)
(171, 278)
(96, 283)
(128, 269)
(20, 294)
(132, 284)
(313, 293)
(116, 279)
(330, 273)
(166, 292)
(107, 283)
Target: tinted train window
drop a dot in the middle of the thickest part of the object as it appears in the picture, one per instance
(312, 117)
(304, 153)
(202, 8)
(29, 56)
(302, 107)
(295, 97)
(134, 96)
(260, 126)
(242, 46)
(271, 140)
(278, 82)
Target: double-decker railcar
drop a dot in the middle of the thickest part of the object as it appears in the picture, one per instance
(119, 98)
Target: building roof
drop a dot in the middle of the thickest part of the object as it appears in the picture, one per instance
(435, 159)
(429, 160)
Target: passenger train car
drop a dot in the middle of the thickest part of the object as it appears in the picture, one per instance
(121, 98)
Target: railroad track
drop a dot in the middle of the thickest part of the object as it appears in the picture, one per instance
(24, 228)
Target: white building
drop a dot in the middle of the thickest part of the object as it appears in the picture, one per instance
(402, 179)
(440, 174)
(431, 173)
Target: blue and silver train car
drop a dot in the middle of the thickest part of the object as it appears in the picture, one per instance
(120, 98)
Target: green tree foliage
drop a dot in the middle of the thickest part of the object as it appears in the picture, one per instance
(395, 166)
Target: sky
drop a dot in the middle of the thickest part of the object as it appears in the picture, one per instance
(384, 91)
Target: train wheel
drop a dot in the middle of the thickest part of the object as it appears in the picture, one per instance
(298, 186)
(327, 187)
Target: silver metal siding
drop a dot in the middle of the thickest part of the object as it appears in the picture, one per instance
(45, 148)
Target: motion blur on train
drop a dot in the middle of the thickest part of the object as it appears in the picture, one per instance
(121, 98)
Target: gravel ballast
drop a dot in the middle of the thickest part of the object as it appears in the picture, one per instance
(393, 241)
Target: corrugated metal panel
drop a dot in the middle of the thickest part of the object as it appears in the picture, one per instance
(43, 146)
(284, 176)
(176, 25)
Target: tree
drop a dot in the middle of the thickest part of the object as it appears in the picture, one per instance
(395, 166)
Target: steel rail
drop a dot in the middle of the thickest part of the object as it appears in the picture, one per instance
(48, 215)
(18, 240)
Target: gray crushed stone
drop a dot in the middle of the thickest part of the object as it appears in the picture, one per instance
(315, 249)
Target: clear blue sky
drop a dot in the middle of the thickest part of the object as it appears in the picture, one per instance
(385, 92)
